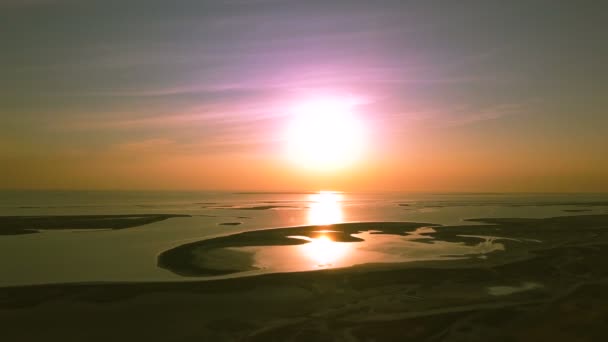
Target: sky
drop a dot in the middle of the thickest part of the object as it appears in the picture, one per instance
(196, 95)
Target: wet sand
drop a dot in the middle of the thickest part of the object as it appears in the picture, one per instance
(551, 290)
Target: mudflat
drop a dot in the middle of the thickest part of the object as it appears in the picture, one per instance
(552, 288)
(14, 225)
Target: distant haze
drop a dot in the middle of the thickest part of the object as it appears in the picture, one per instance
(455, 95)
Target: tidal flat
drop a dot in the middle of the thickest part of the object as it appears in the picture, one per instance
(548, 283)
(15, 225)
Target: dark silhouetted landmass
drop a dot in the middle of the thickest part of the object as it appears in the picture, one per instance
(13, 225)
(263, 207)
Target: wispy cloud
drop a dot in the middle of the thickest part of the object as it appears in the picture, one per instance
(210, 115)
(493, 112)
(25, 3)
(148, 145)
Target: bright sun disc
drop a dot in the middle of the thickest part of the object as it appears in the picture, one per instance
(325, 135)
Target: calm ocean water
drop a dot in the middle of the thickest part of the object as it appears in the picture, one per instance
(131, 254)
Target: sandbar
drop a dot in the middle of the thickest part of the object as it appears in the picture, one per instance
(16, 225)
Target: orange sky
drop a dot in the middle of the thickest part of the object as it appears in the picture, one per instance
(197, 95)
(450, 159)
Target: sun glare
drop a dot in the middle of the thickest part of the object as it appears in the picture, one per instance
(325, 134)
(325, 252)
(325, 208)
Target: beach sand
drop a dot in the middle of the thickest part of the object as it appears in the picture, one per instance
(551, 288)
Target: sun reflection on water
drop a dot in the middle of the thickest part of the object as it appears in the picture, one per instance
(326, 246)
(325, 252)
(325, 208)
(322, 250)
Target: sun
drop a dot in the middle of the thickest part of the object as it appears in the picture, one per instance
(325, 134)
